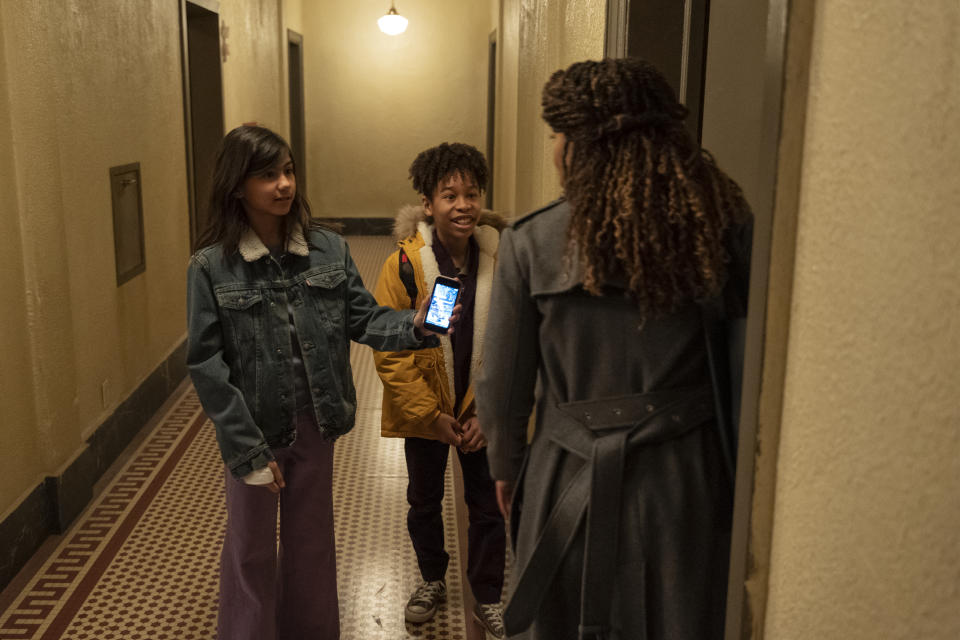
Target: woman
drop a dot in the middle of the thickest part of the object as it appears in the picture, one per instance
(622, 510)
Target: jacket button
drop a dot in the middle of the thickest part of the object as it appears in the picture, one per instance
(587, 416)
(617, 411)
(279, 351)
(649, 408)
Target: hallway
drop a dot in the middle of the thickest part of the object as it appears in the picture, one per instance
(141, 562)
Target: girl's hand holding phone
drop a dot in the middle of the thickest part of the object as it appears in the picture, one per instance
(445, 291)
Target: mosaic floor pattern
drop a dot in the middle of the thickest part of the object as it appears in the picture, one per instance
(141, 562)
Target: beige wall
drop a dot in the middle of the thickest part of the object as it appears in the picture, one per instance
(254, 73)
(85, 86)
(867, 507)
(374, 101)
(110, 95)
(537, 38)
(18, 420)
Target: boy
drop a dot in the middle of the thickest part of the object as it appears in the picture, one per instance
(428, 394)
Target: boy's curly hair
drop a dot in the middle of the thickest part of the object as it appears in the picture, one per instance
(649, 207)
(436, 163)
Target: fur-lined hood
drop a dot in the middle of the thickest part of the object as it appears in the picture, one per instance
(411, 215)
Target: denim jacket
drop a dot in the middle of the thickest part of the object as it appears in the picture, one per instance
(239, 349)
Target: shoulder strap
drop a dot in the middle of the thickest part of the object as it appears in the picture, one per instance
(408, 278)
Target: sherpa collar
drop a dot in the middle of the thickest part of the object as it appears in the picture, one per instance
(409, 217)
(252, 248)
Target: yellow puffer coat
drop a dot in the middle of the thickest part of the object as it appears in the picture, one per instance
(418, 385)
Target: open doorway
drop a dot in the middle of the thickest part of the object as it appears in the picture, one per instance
(670, 35)
(298, 134)
(202, 102)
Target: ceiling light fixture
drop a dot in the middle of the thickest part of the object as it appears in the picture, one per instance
(392, 24)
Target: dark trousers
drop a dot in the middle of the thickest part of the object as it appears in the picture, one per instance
(486, 536)
(286, 591)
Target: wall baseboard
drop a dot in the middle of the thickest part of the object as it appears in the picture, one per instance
(363, 226)
(58, 500)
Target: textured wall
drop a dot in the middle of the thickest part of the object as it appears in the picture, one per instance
(254, 73)
(85, 86)
(374, 101)
(539, 37)
(17, 418)
(90, 86)
(867, 513)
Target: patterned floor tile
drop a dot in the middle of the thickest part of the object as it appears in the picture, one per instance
(141, 562)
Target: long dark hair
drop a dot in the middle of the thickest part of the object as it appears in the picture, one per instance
(245, 151)
(649, 207)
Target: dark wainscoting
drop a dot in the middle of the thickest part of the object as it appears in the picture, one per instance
(363, 226)
(55, 502)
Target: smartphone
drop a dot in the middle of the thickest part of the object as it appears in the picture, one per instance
(442, 300)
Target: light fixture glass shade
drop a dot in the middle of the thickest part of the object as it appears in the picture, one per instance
(392, 24)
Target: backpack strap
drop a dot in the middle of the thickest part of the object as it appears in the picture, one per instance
(408, 278)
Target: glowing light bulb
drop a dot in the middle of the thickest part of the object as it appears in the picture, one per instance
(392, 24)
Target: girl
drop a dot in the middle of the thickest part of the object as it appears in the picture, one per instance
(622, 511)
(428, 396)
(273, 300)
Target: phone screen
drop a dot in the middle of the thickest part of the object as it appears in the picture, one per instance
(441, 305)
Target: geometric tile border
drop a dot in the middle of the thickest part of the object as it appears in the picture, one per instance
(118, 572)
(141, 562)
(58, 589)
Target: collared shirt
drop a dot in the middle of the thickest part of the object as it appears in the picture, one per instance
(462, 338)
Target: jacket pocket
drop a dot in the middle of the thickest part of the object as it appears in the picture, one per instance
(240, 310)
(428, 365)
(325, 289)
(241, 314)
(239, 300)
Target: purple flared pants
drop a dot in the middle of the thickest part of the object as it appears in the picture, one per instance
(285, 591)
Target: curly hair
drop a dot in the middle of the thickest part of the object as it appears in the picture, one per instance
(436, 163)
(649, 208)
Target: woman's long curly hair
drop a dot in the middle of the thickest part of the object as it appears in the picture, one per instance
(649, 207)
(247, 151)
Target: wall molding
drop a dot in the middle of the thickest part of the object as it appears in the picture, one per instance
(362, 226)
(56, 501)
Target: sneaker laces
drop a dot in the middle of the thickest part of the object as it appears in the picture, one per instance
(493, 615)
(427, 594)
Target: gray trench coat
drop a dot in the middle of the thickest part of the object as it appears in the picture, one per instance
(625, 445)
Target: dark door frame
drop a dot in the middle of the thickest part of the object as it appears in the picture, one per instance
(491, 112)
(295, 89)
(767, 319)
(213, 7)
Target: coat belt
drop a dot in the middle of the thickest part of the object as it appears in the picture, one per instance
(602, 432)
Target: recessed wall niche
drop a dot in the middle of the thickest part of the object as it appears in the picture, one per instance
(127, 221)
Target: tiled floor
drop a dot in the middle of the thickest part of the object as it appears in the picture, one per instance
(141, 562)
